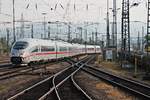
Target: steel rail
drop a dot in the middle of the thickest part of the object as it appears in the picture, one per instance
(70, 76)
(35, 87)
(38, 91)
(79, 88)
(26, 91)
(133, 86)
(54, 91)
(8, 73)
(12, 73)
(5, 66)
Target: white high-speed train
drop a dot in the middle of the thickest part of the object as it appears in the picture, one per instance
(27, 50)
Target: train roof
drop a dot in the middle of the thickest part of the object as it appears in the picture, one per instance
(45, 42)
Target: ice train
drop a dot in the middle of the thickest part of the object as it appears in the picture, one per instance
(27, 50)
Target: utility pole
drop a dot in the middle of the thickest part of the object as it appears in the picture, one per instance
(95, 39)
(14, 35)
(125, 30)
(44, 28)
(76, 33)
(114, 30)
(107, 29)
(81, 36)
(69, 32)
(138, 42)
(142, 38)
(44, 24)
(80, 30)
(32, 36)
(92, 37)
(22, 26)
(56, 37)
(49, 32)
(148, 26)
(8, 33)
(86, 37)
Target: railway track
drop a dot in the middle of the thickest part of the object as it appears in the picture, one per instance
(139, 89)
(70, 90)
(4, 61)
(5, 66)
(12, 71)
(51, 88)
(9, 73)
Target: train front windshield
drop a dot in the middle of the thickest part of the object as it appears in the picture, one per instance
(20, 45)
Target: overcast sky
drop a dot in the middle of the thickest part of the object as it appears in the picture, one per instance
(65, 10)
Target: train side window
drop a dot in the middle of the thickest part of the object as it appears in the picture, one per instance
(62, 49)
(47, 48)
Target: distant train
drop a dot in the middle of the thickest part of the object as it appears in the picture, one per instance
(27, 50)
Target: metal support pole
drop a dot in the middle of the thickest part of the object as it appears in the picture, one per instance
(80, 29)
(142, 38)
(86, 40)
(49, 32)
(22, 26)
(95, 39)
(81, 36)
(135, 67)
(8, 33)
(14, 35)
(44, 28)
(69, 33)
(138, 42)
(125, 30)
(44, 24)
(148, 26)
(114, 31)
(92, 37)
(107, 20)
(76, 35)
(32, 31)
(56, 37)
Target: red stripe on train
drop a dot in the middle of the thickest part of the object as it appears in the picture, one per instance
(47, 53)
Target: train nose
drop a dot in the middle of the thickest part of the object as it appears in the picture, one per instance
(16, 60)
(17, 53)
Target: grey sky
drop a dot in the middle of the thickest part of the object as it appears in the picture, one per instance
(96, 12)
